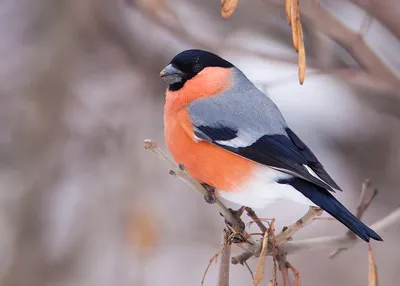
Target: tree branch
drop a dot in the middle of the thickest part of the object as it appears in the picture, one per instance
(179, 171)
(252, 247)
(387, 13)
(329, 242)
(325, 22)
(223, 273)
(287, 232)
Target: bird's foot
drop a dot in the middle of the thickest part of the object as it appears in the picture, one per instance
(237, 214)
(210, 197)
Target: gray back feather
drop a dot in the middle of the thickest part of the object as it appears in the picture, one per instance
(243, 107)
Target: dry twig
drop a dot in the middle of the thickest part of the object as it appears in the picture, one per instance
(289, 247)
(288, 232)
(255, 219)
(208, 266)
(261, 261)
(223, 273)
(296, 273)
(372, 273)
(280, 246)
(180, 172)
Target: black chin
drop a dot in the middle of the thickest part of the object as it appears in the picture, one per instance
(176, 86)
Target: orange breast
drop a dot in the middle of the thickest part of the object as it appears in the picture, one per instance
(204, 161)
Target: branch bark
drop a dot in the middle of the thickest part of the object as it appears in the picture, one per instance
(325, 22)
(223, 273)
(288, 247)
(387, 13)
(180, 172)
(331, 242)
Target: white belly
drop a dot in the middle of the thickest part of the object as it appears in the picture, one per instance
(263, 190)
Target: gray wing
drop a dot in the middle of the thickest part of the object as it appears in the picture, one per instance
(252, 126)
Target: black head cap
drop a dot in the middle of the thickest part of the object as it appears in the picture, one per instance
(189, 63)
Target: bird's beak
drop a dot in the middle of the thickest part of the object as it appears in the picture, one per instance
(171, 75)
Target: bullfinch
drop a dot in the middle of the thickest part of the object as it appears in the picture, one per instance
(232, 138)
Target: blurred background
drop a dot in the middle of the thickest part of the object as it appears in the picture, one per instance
(82, 202)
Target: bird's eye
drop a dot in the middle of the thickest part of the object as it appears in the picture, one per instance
(197, 68)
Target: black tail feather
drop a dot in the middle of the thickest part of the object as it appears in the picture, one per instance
(325, 200)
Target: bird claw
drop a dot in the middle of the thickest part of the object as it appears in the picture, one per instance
(237, 214)
(210, 197)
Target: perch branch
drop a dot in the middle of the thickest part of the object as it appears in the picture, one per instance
(289, 247)
(181, 172)
(287, 232)
(256, 219)
(329, 242)
(223, 273)
(242, 258)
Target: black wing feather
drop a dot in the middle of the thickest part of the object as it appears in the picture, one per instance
(313, 162)
(287, 154)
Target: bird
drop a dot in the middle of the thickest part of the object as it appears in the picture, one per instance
(233, 139)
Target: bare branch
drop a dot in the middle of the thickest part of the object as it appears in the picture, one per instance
(289, 231)
(261, 261)
(242, 258)
(256, 219)
(296, 273)
(180, 172)
(208, 266)
(325, 22)
(329, 242)
(223, 273)
(288, 247)
(387, 13)
(372, 272)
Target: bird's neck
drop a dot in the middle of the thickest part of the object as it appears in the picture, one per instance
(209, 82)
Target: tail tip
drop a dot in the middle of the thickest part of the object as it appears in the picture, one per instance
(371, 234)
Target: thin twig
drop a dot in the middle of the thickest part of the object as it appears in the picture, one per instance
(325, 218)
(296, 273)
(242, 258)
(180, 172)
(285, 273)
(223, 273)
(271, 230)
(248, 267)
(255, 218)
(330, 242)
(259, 276)
(208, 266)
(250, 223)
(288, 247)
(325, 22)
(372, 271)
(289, 231)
